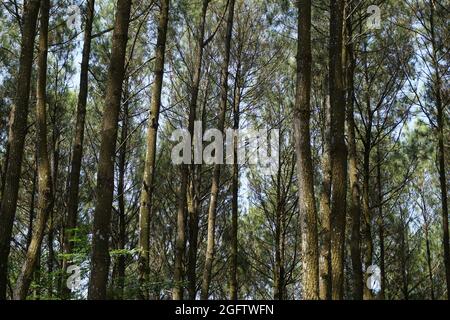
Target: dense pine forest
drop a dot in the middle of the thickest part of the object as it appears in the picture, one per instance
(224, 149)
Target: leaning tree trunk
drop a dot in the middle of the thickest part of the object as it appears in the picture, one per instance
(45, 186)
(16, 139)
(216, 171)
(105, 175)
(338, 149)
(150, 156)
(302, 114)
(77, 152)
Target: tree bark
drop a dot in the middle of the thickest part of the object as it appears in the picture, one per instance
(338, 149)
(181, 210)
(121, 193)
(235, 186)
(426, 225)
(367, 214)
(32, 205)
(16, 139)
(216, 171)
(45, 185)
(441, 149)
(355, 203)
(77, 151)
(302, 114)
(380, 222)
(150, 156)
(325, 206)
(105, 175)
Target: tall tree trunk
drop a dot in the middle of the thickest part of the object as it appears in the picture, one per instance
(380, 221)
(235, 187)
(51, 253)
(180, 237)
(55, 155)
(367, 214)
(426, 225)
(32, 205)
(355, 203)
(193, 206)
(3, 172)
(45, 185)
(429, 262)
(302, 114)
(121, 193)
(150, 156)
(441, 148)
(216, 171)
(77, 151)
(280, 231)
(181, 210)
(338, 149)
(325, 207)
(16, 139)
(105, 175)
(404, 254)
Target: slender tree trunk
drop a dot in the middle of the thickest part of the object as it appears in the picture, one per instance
(51, 253)
(325, 207)
(444, 194)
(3, 177)
(32, 206)
(440, 109)
(280, 231)
(37, 277)
(193, 205)
(355, 203)
(77, 151)
(16, 139)
(181, 210)
(216, 171)
(367, 214)
(427, 243)
(105, 175)
(180, 237)
(429, 263)
(381, 223)
(235, 189)
(338, 149)
(121, 193)
(45, 185)
(403, 255)
(149, 167)
(302, 114)
(55, 155)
